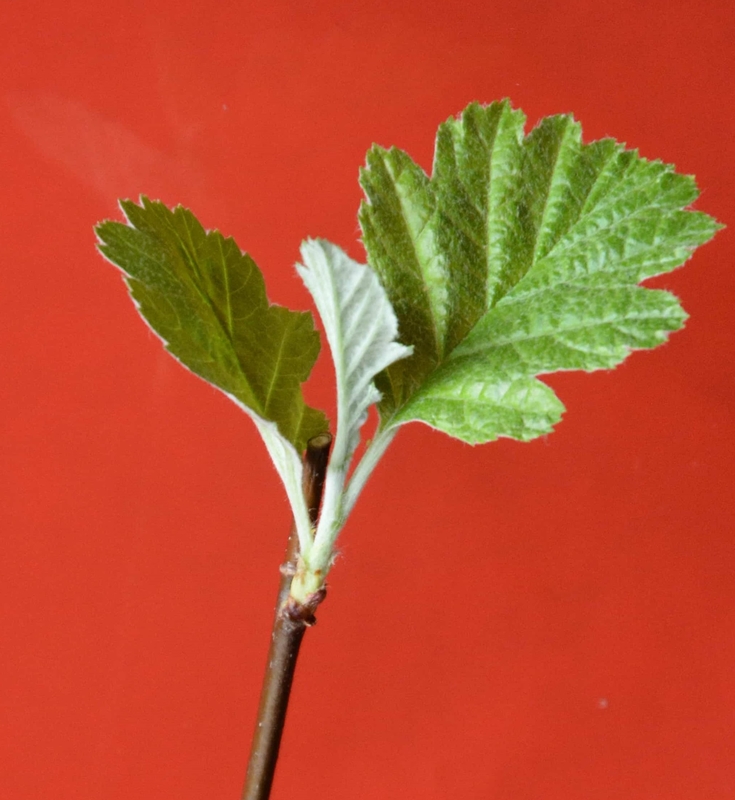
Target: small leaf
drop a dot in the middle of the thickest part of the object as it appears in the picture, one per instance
(520, 256)
(361, 329)
(206, 300)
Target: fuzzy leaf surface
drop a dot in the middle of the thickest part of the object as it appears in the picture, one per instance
(361, 328)
(206, 299)
(521, 255)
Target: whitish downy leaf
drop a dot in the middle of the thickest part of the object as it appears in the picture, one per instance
(520, 256)
(361, 329)
(206, 299)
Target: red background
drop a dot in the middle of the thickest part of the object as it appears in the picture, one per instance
(510, 622)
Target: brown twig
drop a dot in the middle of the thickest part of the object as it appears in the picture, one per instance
(289, 625)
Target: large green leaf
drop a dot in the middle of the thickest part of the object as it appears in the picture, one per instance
(520, 256)
(206, 300)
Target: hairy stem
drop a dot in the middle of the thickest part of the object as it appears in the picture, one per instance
(336, 507)
(289, 625)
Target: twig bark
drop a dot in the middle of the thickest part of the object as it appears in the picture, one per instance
(289, 625)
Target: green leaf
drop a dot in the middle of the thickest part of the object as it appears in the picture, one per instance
(520, 256)
(206, 300)
(361, 328)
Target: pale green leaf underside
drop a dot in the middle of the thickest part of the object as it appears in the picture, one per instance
(520, 256)
(206, 300)
(361, 328)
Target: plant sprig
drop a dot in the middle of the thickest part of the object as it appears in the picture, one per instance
(520, 255)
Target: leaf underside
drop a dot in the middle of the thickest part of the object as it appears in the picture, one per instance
(206, 300)
(519, 256)
(361, 329)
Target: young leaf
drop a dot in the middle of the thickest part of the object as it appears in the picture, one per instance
(520, 256)
(206, 300)
(361, 329)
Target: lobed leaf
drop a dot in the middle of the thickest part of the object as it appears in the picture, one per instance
(520, 256)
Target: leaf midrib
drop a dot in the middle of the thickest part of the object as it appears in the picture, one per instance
(504, 342)
(438, 345)
(228, 335)
(553, 178)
